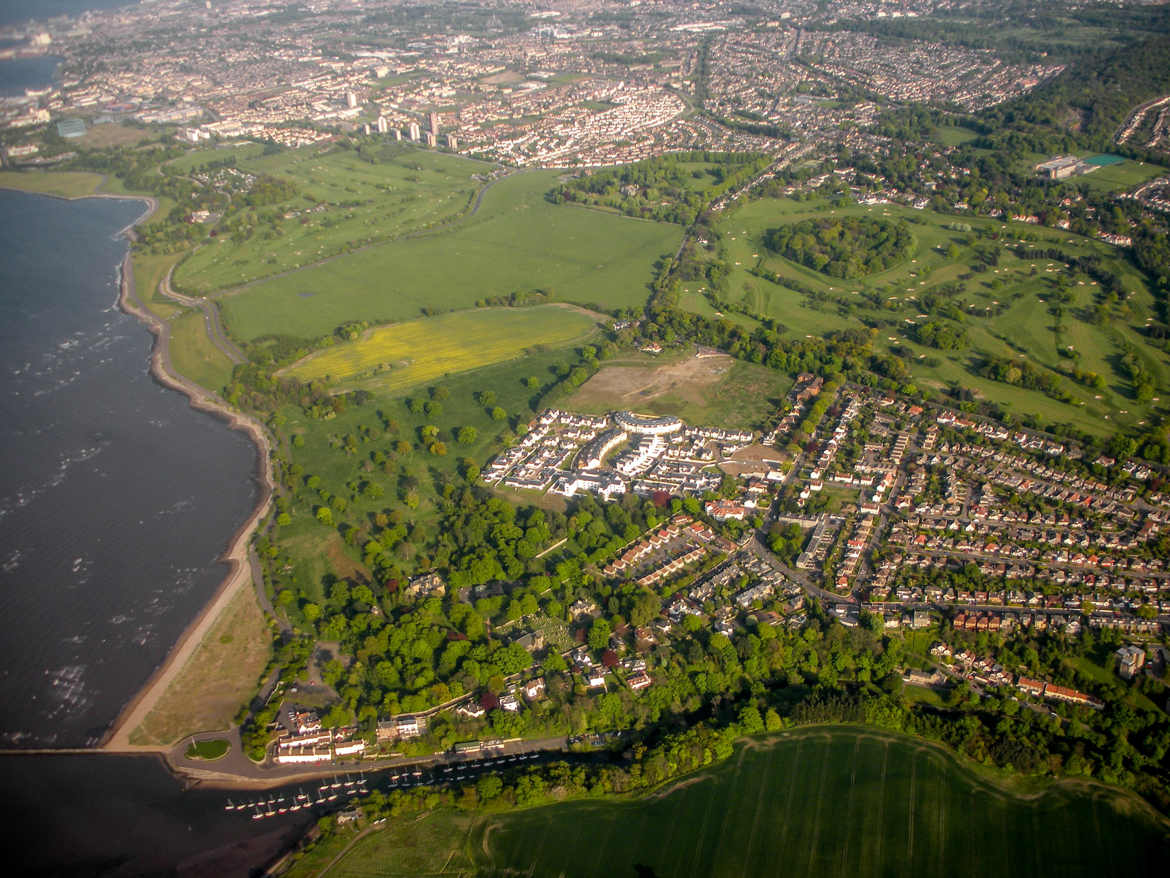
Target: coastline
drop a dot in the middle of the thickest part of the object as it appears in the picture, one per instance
(117, 737)
(236, 555)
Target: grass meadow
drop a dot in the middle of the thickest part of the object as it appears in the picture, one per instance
(195, 356)
(517, 241)
(402, 355)
(66, 184)
(815, 802)
(1006, 307)
(218, 677)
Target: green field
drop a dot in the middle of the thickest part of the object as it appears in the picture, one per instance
(66, 184)
(402, 355)
(343, 202)
(209, 750)
(821, 802)
(1121, 176)
(1006, 306)
(516, 242)
(195, 356)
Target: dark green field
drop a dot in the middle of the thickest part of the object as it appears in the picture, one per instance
(824, 802)
(831, 803)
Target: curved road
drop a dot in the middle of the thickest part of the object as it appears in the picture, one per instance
(216, 334)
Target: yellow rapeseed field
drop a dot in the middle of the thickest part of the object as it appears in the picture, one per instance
(405, 354)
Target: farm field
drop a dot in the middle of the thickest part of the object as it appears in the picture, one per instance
(825, 803)
(1005, 303)
(711, 390)
(813, 802)
(343, 202)
(395, 357)
(517, 241)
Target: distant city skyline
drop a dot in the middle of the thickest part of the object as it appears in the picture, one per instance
(14, 12)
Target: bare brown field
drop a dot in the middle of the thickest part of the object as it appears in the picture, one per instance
(749, 459)
(105, 136)
(703, 390)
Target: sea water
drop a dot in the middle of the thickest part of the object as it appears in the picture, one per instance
(116, 498)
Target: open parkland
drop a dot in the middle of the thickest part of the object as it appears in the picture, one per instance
(1005, 308)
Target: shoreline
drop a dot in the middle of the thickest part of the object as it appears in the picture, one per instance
(117, 736)
(236, 554)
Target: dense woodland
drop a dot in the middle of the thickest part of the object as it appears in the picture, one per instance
(845, 247)
(672, 188)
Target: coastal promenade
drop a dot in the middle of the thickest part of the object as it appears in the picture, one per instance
(236, 771)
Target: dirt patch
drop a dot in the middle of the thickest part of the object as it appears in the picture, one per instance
(342, 564)
(631, 387)
(754, 458)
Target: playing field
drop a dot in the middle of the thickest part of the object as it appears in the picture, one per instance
(827, 803)
(517, 241)
(390, 358)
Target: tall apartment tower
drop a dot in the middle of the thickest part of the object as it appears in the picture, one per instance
(433, 123)
(413, 132)
(452, 143)
(350, 100)
(383, 126)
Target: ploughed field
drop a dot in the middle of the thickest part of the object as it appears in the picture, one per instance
(391, 358)
(815, 802)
